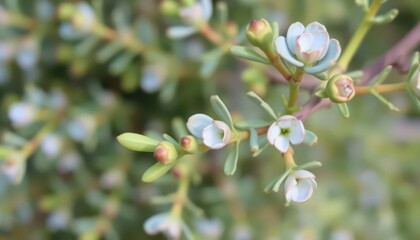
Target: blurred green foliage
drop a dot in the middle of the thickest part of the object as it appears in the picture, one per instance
(83, 87)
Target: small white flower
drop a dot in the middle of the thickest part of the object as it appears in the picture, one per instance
(299, 186)
(84, 18)
(215, 134)
(152, 78)
(22, 113)
(111, 179)
(286, 128)
(194, 15)
(14, 167)
(27, 54)
(163, 223)
(69, 162)
(209, 228)
(51, 145)
(309, 47)
(58, 220)
(415, 82)
(82, 127)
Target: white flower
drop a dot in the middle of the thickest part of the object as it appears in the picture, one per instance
(14, 167)
(309, 47)
(415, 82)
(22, 113)
(209, 228)
(286, 128)
(194, 15)
(152, 78)
(111, 179)
(163, 223)
(84, 17)
(69, 162)
(58, 220)
(51, 145)
(299, 186)
(27, 54)
(82, 127)
(215, 134)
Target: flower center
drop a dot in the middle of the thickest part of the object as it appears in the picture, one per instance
(284, 131)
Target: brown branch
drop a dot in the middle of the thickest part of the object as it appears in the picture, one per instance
(398, 56)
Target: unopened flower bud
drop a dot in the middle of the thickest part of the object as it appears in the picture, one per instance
(260, 33)
(340, 89)
(189, 144)
(165, 152)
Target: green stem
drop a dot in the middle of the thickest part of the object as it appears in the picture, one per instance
(277, 63)
(384, 88)
(181, 194)
(293, 96)
(357, 38)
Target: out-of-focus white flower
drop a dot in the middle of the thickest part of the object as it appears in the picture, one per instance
(163, 223)
(69, 162)
(286, 128)
(215, 134)
(209, 228)
(415, 82)
(111, 179)
(22, 113)
(84, 17)
(57, 99)
(193, 15)
(242, 232)
(152, 78)
(58, 220)
(14, 167)
(309, 47)
(299, 186)
(82, 127)
(27, 54)
(51, 145)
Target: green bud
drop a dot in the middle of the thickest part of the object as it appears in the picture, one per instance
(340, 89)
(169, 8)
(189, 144)
(165, 153)
(66, 11)
(260, 33)
(137, 142)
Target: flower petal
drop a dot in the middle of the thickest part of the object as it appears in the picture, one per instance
(285, 121)
(197, 122)
(273, 132)
(304, 43)
(329, 60)
(301, 174)
(226, 130)
(207, 9)
(179, 32)
(283, 50)
(321, 42)
(305, 189)
(315, 27)
(293, 33)
(213, 137)
(297, 132)
(154, 224)
(282, 143)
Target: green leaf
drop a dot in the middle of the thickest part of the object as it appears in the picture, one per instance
(118, 65)
(308, 165)
(178, 126)
(220, 108)
(276, 29)
(168, 90)
(385, 18)
(253, 140)
(276, 183)
(171, 139)
(413, 97)
(232, 160)
(384, 101)
(137, 142)
(257, 100)
(323, 76)
(210, 61)
(322, 93)
(4, 151)
(310, 138)
(248, 53)
(156, 171)
(363, 3)
(414, 66)
(344, 109)
(108, 51)
(248, 124)
(86, 46)
(382, 76)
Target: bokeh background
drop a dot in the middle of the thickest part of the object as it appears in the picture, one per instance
(74, 75)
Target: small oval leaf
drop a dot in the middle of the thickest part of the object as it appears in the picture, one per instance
(232, 160)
